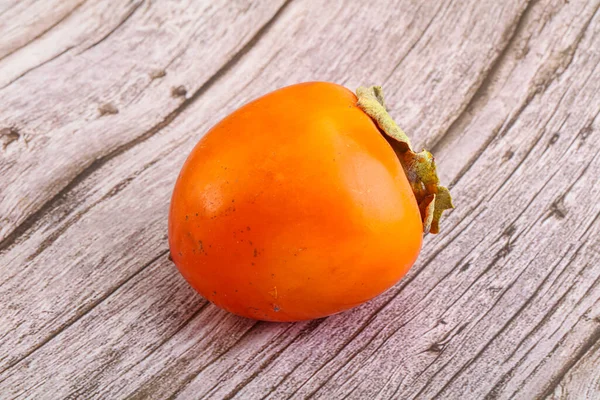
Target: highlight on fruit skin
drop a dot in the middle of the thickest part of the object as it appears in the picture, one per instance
(303, 203)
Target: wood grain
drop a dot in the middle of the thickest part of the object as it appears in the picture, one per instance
(98, 55)
(580, 382)
(505, 303)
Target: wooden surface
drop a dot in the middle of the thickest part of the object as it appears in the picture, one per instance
(101, 101)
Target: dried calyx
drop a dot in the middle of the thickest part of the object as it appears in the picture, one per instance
(420, 170)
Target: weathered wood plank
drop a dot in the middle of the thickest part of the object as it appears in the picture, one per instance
(22, 24)
(7, 5)
(582, 380)
(45, 32)
(41, 249)
(501, 304)
(62, 288)
(96, 89)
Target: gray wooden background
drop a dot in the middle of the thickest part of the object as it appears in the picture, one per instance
(101, 101)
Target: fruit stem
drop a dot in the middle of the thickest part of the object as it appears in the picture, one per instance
(433, 199)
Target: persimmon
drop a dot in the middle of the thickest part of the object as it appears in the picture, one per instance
(301, 204)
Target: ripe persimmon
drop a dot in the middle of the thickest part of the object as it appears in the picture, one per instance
(303, 203)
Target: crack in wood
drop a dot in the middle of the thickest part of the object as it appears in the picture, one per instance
(498, 333)
(100, 162)
(84, 311)
(447, 350)
(66, 50)
(585, 347)
(412, 47)
(310, 328)
(486, 79)
(164, 341)
(54, 25)
(121, 23)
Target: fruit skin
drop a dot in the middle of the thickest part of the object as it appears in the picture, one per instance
(294, 207)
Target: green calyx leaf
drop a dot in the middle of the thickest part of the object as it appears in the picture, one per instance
(433, 199)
